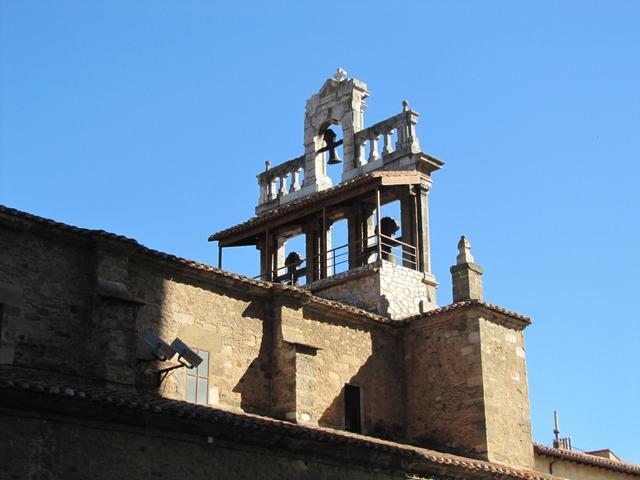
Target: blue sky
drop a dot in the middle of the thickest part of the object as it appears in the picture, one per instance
(152, 118)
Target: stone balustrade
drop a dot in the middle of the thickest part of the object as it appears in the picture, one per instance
(379, 138)
(281, 180)
(377, 146)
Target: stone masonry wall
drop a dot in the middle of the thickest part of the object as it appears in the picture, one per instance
(41, 448)
(382, 287)
(227, 324)
(445, 398)
(46, 296)
(405, 292)
(506, 394)
(69, 304)
(467, 385)
(332, 352)
(79, 305)
(359, 287)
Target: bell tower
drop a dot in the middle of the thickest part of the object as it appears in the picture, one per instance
(340, 101)
(385, 264)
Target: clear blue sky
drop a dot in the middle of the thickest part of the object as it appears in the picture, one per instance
(152, 118)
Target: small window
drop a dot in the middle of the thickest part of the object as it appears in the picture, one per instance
(198, 380)
(352, 409)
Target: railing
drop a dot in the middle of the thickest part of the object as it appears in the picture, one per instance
(280, 180)
(357, 253)
(402, 125)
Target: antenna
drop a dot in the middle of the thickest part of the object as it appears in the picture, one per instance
(559, 442)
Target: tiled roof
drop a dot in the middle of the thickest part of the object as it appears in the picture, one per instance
(42, 384)
(586, 459)
(89, 234)
(310, 199)
(468, 303)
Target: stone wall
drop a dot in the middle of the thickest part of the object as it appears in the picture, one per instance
(46, 295)
(359, 287)
(230, 325)
(467, 385)
(405, 292)
(80, 303)
(331, 352)
(444, 383)
(383, 287)
(42, 448)
(506, 394)
(83, 307)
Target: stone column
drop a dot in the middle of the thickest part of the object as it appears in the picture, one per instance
(328, 245)
(423, 247)
(312, 246)
(354, 236)
(278, 249)
(408, 219)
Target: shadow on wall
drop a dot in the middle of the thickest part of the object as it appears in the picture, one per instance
(150, 289)
(254, 385)
(379, 386)
(226, 327)
(239, 334)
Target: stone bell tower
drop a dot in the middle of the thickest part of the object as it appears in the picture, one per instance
(385, 266)
(340, 101)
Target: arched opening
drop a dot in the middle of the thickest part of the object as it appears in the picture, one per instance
(329, 140)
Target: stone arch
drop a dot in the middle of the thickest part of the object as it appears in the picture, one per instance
(321, 143)
(339, 102)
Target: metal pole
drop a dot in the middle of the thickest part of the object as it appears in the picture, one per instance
(378, 223)
(323, 244)
(267, 256)
(219, 255)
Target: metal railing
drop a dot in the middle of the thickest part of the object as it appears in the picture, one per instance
(355, 254)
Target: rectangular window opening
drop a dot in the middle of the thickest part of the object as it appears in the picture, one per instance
(352, 409)
(197, 383)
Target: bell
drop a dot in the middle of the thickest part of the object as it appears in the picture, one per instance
(330, 140)
(334, 158)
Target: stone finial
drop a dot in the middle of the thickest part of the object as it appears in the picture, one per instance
(464, 251)
(340, 75)
(466, 276)
(405, 105)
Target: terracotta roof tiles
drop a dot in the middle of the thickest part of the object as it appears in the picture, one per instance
(89, 234)
(308, 200)
(40, 383)
(469, 303)
(586, 459)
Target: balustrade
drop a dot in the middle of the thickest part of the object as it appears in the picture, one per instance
(286, 178)
(280, 180)
(403, 125)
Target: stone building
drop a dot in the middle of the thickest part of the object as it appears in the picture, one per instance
(335, 362)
